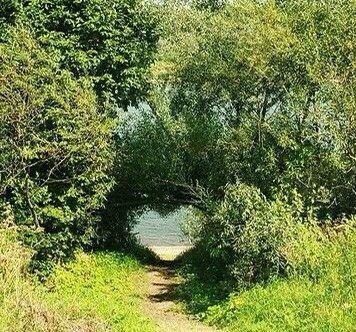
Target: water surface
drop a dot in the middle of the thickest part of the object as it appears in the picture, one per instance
(154, 229)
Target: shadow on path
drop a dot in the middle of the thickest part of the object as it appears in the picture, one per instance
(162, 300)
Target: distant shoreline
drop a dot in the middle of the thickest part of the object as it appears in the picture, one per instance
(169, 252)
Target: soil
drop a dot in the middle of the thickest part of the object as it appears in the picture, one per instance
(160, 303)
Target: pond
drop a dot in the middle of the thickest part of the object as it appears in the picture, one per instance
(154, 229)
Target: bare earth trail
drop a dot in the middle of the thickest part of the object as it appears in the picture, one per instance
(159, 302)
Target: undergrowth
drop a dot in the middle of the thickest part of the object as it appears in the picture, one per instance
(95, 293)
(21, 306)
(317, 294)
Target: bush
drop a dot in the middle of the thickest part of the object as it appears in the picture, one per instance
(316, 292)
(248, 234)
(55, 150)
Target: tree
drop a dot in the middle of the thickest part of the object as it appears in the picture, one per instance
(281, 78)
(110, 41)
(55, 153)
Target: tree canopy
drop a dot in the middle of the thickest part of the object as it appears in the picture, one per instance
(110, 41)
(56, 152)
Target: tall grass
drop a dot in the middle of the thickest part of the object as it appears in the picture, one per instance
(318, 293)
(95, 293)
(20, 306)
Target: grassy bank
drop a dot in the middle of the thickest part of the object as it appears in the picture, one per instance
(320, 296)
(287, 305)
(97, 292)
(105, 287)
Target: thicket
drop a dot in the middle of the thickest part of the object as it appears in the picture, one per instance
(67, 69)
(317, 296)
(112, 42)
(252, 115)
(55, 154)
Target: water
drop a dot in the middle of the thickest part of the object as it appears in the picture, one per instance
(153, 229)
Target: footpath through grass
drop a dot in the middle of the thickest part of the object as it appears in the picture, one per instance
(104, 292)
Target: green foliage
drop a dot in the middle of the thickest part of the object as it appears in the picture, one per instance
(280, 76)
(247, 234)
(300, 303)
(255, 93)
(55, 150)
(8, 10)
(110, 41)
(145, 162)
(96, 293)
(105, 287)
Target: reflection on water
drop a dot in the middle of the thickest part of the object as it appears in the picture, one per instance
(153, 229)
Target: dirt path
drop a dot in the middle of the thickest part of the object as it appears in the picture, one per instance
(159, 303)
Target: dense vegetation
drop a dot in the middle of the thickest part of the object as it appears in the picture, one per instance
(65, 69)
(98, 292)
(317, 294)
(252, 118)
(109, 41)
(245, 110)
(55, 150)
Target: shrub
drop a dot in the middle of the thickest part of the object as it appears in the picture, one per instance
(248, 234)
(55, 150)
(320, 296)
(252, 239)
(317, 290)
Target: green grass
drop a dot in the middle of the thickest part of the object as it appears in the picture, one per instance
(320, 297)
(97, 292)
(286, 305)
(102, 289)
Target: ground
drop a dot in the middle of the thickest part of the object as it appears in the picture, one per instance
(160, 306)
(159, 302)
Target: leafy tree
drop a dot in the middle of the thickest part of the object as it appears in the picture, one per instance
(280, 76)
(110, 41)
(55, 151)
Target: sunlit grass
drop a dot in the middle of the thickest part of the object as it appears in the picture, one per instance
(287, 305)
(320, 296)
(97, 292)
(102, 286)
